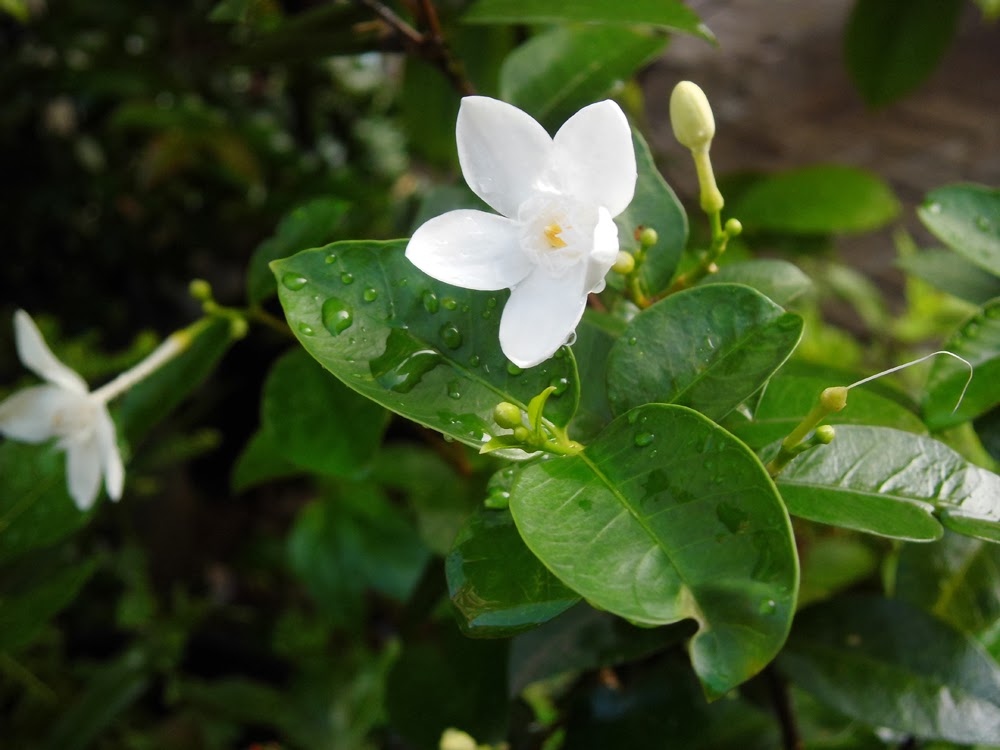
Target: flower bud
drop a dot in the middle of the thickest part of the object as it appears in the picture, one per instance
(648, 237)
(824, 434)
(691, 116)
(624, 263)
(734, 228)
(834, 399)
(200, 289)
(507, 415)
(455, 739)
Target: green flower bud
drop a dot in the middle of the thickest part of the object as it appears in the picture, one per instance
(691, 116)
(834, 399)
(200, 289)
(825, 434)
(648, 237)
(734, 228)
(624, 263)
(522, 434)
(507, 415)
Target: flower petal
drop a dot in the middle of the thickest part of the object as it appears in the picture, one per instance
(28, 415)
(605, 251)
(83, 470)
(594, 159)
(111, 458)
(541, 314)
(37, 357)
(502, 150)
(471, 249)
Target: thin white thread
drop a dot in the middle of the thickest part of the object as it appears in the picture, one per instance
(917, 362)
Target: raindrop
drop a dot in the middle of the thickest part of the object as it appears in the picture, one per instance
(513, 369)
(331, 258)
(404, 363)
(294, 281)
(449, 303)
(643, 439)
(491, 302)
(337, 317)
(370, 294)
(346, 278)
(474, 360)
(451, 336)
(768, 607)
(430, 301)
(571, 339)
(466, 308)
(560, 385)
(454, 390)
(487, 314)
(306, 330)
(632, 341)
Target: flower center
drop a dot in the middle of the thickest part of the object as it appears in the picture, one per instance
(556, 232)
(552, 232)
(75, 421)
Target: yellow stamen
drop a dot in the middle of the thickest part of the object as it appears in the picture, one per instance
(552, 232)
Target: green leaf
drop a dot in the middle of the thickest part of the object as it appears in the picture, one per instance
(312, 224)
(261, 461)
(978, 342)
(786, 399)
(32, 592)
(654, 205)
(665, 516)
(557, 72)
(891, 483)
(833, 563)
(778, 280)
(953, 274)
(154, 398)
(260, 14)
(322, 31)
(584, 639)
(708, 348)
(668, 14)
(595, 336)
(423, 349)
(496, 584)
(990, 9)
(817, 200)
(317, 423)
(17, 9)
(957, 580)
(891, 46)
(891, 665)
(350, 541)
(35, 507)
(987, 428)
(111, 691)
(967, 219)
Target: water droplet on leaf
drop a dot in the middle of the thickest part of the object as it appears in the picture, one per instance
(305, 329)
(513, 369)
(346, 278)
(449, 303)
(337, 316)
(451, 336)
(454, 390)
(430, 301)
(644, 438)
(370, 294)
(294, 281)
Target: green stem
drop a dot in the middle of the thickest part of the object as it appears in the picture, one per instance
(830, 400)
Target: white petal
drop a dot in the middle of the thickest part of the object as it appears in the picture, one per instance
(502, 151)
(83, 471)
(594, 159)
(470, 249)
(111, 458)
(605, 251)
(28, 415)
(37, 357)
(541, 314)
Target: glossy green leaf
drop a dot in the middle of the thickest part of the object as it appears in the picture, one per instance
(978, 342)
(656, 206)
(312, 224)
(665, 516)
(957, 580)
(498, 587)
(708, 348)
(786, 399)
(668, 14)
(891, 46)
(352, 540)
(423, 349)
(967, 219)
(557, 72)
(584, 639)
(32, 592)
(35, 506)
(778, 280)
(261, 461)
(153, 399)
(817, 200)
(317, 423)
(888, 664)
(953, 274)
(661, 701)
(891, 483)
(595, 336)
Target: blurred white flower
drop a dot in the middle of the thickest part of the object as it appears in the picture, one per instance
(555, 239)
(64, 409)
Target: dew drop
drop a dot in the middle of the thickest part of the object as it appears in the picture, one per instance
(331, 258)
(305, 329)
(370, 294)
(487, 314)
(491, 302)
(560, 385)
(768, 607)
(643, 439)
(346, 278)
(466, 308)
(451, 336)
(430, 301)
(404, 363)
(513, 369)
(449, 303)
(293, 281)
(337, 316)
(474, 360)
(632, 341)
(454, 391)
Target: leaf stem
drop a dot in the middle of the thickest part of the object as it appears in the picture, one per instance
(830, 400)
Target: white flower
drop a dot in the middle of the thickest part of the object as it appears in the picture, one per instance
(63, 409)
(555, 239)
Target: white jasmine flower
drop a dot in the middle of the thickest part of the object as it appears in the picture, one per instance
(555, 238)
(65, 409)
